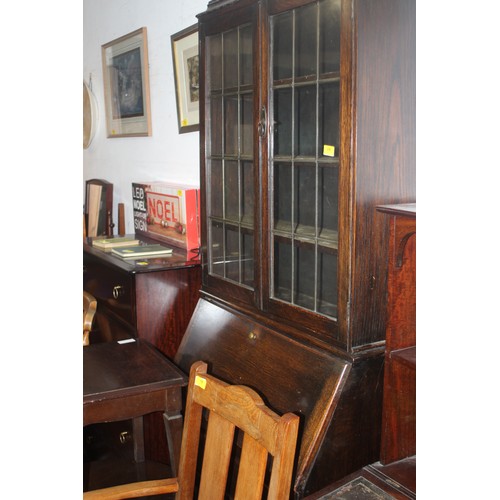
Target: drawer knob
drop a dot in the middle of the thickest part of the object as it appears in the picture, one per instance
(118, 291)
(125, 437)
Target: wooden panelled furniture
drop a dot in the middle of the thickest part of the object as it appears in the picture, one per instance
(307, 123)
(152, 301)
(231, 410)
(399, 406)
(394, 474)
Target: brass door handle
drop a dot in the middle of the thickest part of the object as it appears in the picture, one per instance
(261, 127)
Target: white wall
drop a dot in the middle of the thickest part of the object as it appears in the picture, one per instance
(166, 155)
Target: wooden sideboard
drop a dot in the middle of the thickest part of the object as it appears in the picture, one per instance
(399, 406)
(394, 475)
(152, 300)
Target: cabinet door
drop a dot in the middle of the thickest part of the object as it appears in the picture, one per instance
(230, 161)
(271, 163)
(303, 166)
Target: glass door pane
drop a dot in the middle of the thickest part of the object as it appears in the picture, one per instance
(305, 34)
(283, 46)
(304, 156)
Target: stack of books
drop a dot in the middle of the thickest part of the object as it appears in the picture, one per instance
(115, 242)
(141, 251)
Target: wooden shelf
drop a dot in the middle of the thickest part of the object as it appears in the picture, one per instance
(407, 357)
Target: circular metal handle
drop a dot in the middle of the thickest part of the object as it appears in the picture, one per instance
(125, 437)
(118, 291)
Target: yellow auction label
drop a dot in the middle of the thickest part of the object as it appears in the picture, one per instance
(200, 382)
(328, 150)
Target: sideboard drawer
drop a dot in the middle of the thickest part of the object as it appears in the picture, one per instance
(111, 287)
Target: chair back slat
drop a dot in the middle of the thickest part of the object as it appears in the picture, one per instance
(251, 470)
(216, 458)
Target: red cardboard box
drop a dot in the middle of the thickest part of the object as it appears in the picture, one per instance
(167, 213)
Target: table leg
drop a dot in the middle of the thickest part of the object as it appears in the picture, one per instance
(173, 427)
(138, 431)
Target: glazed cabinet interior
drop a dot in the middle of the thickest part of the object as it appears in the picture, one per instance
(307, 122)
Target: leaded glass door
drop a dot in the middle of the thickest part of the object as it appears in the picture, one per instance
(304, 156)
(230, 161)
(271, 162)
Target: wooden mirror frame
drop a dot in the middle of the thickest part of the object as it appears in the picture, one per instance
(99, 208)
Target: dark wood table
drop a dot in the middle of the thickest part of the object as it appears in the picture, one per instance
(129, 380)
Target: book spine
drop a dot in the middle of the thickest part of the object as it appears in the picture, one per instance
(139, 207)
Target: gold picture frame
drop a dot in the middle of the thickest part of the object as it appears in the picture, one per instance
(126, 85)
(185, 59)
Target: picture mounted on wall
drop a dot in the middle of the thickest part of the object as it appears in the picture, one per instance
(185, 57)
(126, 85)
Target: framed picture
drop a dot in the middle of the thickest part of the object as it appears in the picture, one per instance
(126, 85)
(185, 59)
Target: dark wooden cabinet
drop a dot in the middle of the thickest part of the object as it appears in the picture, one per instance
(399, 406)
(307, 123)
(152, 301)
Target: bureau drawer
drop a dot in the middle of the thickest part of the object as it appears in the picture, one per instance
(111, 287)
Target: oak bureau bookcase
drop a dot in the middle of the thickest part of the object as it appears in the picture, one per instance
(307, 122)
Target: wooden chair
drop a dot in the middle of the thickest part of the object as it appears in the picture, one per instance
(228, 407)
(89, 309)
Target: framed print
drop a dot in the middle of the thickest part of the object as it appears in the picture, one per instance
(185, 59)
(126, 85)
